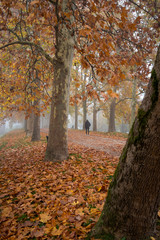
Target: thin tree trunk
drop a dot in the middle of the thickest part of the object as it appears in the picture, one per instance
(76, 114)
(112, 127)
(133, 104)
(57, 147)
(25, 125)
(131, 206)
(94, 115)
(36, 122)
(84, 101)
(75, 105)
(84, 113)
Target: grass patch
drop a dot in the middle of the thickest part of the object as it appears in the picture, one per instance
(3, 145)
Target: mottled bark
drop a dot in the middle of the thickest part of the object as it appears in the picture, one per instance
(57, 147)
(112, 127)
(133, 198)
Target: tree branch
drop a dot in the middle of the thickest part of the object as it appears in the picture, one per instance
(121, 100)
(141, 7)
(51, 1)
(39, 48)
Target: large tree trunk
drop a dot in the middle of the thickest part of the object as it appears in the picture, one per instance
(36, 128)
(29, 128)
(57, 147)
(133, 198)
(112, 127)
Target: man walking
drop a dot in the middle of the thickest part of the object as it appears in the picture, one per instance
(87, 126)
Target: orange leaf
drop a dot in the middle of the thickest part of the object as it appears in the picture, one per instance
(79, 211)
(44, 217)
(34, 2)
(6, 212)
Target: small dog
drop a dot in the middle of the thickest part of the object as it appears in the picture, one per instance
(47, 138)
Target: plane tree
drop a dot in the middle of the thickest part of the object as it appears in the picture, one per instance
(54, 28)
(96, 29)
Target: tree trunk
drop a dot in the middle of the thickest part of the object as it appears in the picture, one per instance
(94, 115)
(112, 127)
(84, 100)
(30, 125)
(133, 104)
(84, 113)
(36, 121)
(57, 147)
(75, 105)
(25, 125)
(36, 128)
(131, 206)
(76, 113)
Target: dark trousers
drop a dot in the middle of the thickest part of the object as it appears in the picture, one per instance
(87, 131)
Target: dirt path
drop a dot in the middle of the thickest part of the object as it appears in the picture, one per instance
(111, 145)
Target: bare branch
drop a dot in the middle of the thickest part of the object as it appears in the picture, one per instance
(51, 1)
(143, 9)
(121, 100)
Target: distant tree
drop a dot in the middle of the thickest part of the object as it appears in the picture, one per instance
(36, 119)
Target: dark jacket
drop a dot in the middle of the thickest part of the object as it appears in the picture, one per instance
(87, 124)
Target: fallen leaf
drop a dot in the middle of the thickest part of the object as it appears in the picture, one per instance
(79, 211)
(6, 212)
(57, 232)
(44, 217)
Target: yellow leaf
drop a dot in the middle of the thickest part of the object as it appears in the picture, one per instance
(44, 217)
(99, 189)
(79, 211)
(152, 238)
(57, 232)
(75, 203)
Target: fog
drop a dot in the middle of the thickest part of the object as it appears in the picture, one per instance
(8, 126)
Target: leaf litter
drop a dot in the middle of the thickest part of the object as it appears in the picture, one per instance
(45, 200)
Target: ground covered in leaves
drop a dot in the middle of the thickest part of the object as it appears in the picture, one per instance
(45, 200)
